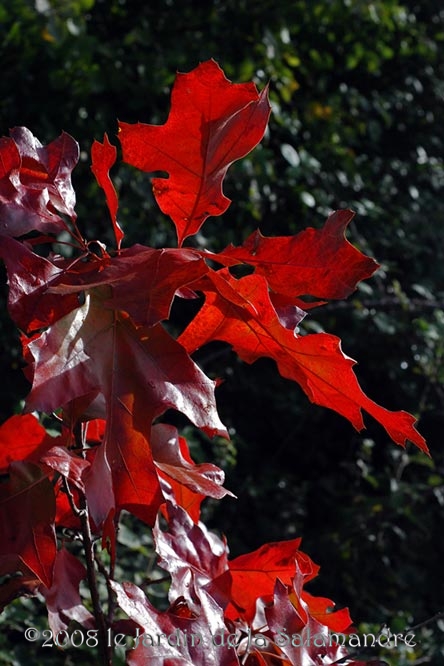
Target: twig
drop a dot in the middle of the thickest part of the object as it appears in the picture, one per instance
(82, 513)
(438, 616)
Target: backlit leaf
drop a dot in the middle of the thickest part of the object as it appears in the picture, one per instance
(212, 123)
(240, 312)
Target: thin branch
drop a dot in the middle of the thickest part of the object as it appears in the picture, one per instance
(425, 623)
(82, 513)
(385, 303)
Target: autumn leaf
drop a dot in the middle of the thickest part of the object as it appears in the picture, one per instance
(22, 436)
(240, 312)
(35, 183)
(30, 302)
(319, 263)
(190, 637)
(254, 574)
(301, 637)
(63, 599)
(171, 456)
(193, 555)
(103, 156)
(141, 372)
(144, 280)
(212, 123)
(30, 541)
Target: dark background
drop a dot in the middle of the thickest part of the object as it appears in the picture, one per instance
(357, 92)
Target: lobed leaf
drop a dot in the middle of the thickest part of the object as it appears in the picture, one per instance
(212, 123)
(35, 183)
(103, 157)
(240, 312)
(62, 599)
(319, 263)
(140, 372)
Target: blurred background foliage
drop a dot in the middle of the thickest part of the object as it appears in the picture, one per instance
(357, 91)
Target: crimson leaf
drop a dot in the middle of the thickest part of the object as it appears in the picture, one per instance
(240, 312)
(212, 123)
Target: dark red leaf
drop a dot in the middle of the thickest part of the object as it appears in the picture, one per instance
(63, 600)
(212, 123)
(190, 553)
(141, 372)
(69, 465)
(168, 452)
(25, 584)
(185, 639)
(35, 182)
(300, 636)
(29, 541)
(143, 280)
(30, 303)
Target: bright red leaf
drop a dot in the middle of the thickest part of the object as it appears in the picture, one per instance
(212, 123)
(20, 437)
(254, 574)
(103, 156)
(320, 263)
(240, 312)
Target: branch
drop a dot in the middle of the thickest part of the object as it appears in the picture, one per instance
(82, 513)
(386, 303)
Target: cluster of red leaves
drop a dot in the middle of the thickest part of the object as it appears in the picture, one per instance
(96, 347)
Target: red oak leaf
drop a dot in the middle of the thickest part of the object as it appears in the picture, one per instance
(301, 637)
(103, 156)
(240, 312)
(177, 493)
(35, 182)
(66, 463)
(140, 372)
(28, 542)
(63, 600)
(171, 455)
(212, 123)
(320, 263)
(172, 638)
(25, 584)
(254, 575)
(193, 555)
(144, 280)
(22, 436)
(322, 610)
(31, 304)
